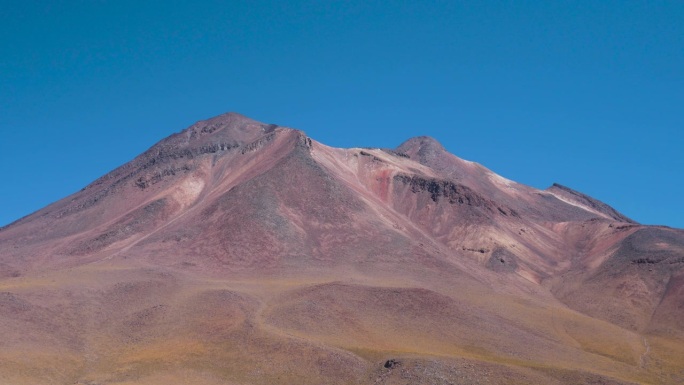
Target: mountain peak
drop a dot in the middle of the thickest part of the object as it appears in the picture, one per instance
(424, 143)
(227, 119)
(231, 125)
(422, 148)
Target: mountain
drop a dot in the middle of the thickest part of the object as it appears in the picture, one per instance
(237, 252)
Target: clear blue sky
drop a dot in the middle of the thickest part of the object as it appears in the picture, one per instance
(589, 94)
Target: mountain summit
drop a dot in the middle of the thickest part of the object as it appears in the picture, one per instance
(238, 252)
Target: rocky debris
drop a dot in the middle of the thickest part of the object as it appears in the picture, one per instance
(641, 261)
(655, 261)
(622, 227)
(396, 153)
(481, 250)
(392, 363)
(502, 260)
(508, 212)
(375, 158)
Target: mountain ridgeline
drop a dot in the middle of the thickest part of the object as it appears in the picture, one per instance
(237, 252)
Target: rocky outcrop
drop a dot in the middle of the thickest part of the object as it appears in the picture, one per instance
(437, 189)
(258, 144)
(146, 181)
(451, 192)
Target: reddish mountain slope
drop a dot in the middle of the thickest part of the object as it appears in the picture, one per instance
(236, 252)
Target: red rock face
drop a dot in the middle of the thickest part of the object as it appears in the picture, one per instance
(241, 252)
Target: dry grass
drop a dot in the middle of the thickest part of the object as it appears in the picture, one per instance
(291, 330)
